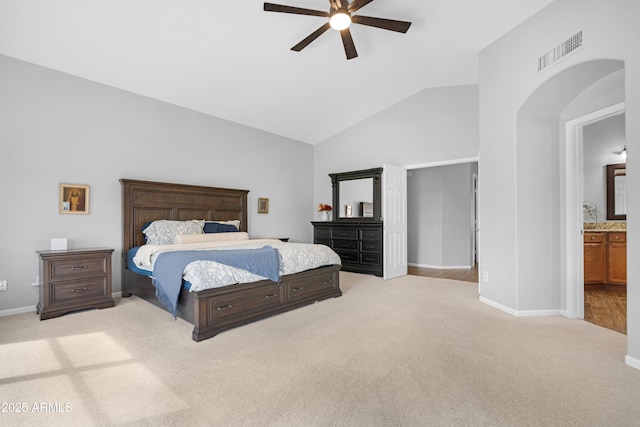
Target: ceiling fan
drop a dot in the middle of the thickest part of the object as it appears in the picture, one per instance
(340, 17)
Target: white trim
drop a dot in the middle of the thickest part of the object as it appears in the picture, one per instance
(18, 310)
(574, 273)
(520, 313)
(442, 163)
(442, 267)
(32, 308)
(632, 361)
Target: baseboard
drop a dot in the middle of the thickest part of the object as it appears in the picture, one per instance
(32, 308)
(442, 267)
(520, 313)
(18, 310)
(632, 361)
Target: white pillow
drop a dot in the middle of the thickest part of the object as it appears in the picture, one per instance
(211, 237)
(163, 232)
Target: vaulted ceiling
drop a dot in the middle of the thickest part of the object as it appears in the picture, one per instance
(232, 60)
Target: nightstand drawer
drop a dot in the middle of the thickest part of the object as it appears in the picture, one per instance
(79, 267)
(72, 291)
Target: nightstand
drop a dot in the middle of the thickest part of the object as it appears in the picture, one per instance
(74, 279)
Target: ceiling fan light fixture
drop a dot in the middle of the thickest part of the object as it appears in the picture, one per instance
(340, 20)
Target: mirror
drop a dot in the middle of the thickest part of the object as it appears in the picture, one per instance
(617, 191)
(357, 195)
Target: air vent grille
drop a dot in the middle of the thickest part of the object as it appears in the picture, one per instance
(560, 51)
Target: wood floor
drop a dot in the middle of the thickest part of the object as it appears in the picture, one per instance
(604, 306)
(465, 275)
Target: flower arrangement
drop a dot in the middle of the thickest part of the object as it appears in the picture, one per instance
(323, 207)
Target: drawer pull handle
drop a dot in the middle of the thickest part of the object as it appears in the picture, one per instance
(225, 307)
(84, 267)
(80, 290)
(617, 237)
(328, 282)
(271, 296)
(298, 289)
(593, 238)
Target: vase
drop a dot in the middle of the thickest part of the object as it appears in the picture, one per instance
(324, 215)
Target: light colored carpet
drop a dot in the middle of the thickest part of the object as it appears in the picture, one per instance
(413, 351)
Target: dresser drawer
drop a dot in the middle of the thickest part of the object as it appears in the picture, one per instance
(346, 244)
(348, 233)
(323, 233)
(366, 258)
(79, 267)
(348, 256)
(234, 304)
(326, 242)
(370, 234)
(73, 291)
(369, 246)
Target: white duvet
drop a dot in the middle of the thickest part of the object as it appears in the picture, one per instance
(294, 258)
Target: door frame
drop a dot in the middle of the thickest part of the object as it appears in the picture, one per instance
(574, 190)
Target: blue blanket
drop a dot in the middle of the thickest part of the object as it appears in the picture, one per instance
(169, 267)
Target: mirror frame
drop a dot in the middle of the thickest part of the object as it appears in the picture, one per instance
(336, 178)
(611, 198)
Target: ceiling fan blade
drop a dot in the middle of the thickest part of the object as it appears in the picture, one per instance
(270, 7)
(335, 4)
(311, 37)
(358, 4)
(385, 24)
(349, 46)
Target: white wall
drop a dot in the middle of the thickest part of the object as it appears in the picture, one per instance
(520, 209)
(55, 128)
(437, 124)
(439, 216)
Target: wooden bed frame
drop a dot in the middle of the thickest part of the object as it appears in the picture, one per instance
(213, 310)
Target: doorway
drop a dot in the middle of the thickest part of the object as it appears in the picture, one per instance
(574, 168)
(604, 244)
(441, 214)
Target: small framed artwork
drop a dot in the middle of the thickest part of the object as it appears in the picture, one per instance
(263, 205)
(74, 199)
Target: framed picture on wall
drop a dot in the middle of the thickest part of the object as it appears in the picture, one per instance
(74, 199)
(263, 205)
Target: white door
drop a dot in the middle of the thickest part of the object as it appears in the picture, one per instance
(394, 214)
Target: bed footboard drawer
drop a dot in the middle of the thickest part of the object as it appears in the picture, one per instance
(316, 285)
(245, 303)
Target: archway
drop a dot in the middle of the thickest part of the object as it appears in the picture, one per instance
(547, 163)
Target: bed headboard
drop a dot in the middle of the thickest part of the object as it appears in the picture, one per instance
(144, 201)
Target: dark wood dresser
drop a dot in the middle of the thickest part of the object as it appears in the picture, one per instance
(74, 279)
(359, 244)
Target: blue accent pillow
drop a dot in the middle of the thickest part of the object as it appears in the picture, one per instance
(216, 227)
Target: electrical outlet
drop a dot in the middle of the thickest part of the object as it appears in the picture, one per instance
(3, 285)
(485, 276)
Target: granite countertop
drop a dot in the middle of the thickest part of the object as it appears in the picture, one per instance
(605, 226)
